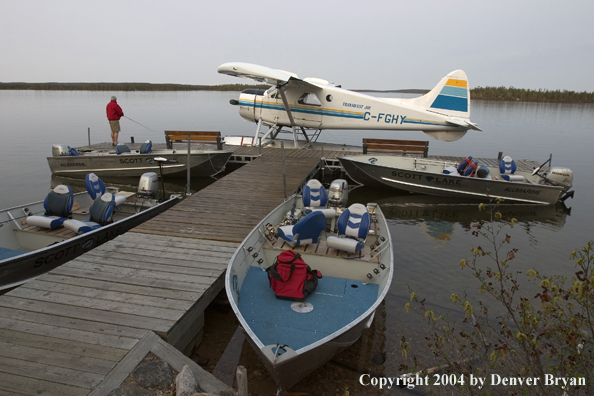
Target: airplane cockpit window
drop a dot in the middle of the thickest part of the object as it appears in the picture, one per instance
(309, 99)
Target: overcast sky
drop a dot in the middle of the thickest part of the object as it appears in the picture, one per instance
(372, 44)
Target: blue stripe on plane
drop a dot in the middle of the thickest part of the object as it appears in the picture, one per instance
(450, 103)
(306, 110)
(421, 122)
(454, 91)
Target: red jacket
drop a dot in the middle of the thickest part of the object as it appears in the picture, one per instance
(114, 111)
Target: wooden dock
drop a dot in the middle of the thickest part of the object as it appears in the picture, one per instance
(80, 329)
(67, 331)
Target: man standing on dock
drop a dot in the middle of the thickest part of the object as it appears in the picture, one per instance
(114, 113)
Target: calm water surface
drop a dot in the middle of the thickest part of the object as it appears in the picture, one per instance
(430, 235)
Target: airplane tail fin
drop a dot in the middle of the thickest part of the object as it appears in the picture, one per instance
(451, 97)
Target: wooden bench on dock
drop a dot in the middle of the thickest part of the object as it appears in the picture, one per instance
(396, 146)
(193, 136)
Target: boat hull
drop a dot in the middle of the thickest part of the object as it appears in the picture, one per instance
(22, 268)
(202, 163)
(337, 320)
(288, 373)
(361, 170)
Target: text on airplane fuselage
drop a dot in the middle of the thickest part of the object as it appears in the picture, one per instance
(385, 117)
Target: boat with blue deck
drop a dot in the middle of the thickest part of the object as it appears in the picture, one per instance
(40, 236)
(350, 246)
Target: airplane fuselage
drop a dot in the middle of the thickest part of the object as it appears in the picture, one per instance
(443, 113)
(337, 108)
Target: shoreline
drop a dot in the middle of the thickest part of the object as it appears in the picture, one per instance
(499, 94)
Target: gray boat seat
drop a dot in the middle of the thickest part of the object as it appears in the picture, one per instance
(145, 148)
(122, 148)
(100, 212)
(306, 231)
(507, 168)
(58, 208)
(353, 227)
(315, 198)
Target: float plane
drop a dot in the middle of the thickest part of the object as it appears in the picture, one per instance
(313, 103)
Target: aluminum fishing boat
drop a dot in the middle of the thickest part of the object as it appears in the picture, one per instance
(121, 161)
(467, 179)
(352, 249)
(37, 237)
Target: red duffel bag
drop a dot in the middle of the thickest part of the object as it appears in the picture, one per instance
(291, 278)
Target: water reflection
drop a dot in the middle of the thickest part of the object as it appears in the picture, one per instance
(429, 265)
(437, 215)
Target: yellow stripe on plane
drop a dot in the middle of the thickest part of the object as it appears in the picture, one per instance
(457, 83)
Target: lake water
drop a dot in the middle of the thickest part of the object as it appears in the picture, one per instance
(429, 237)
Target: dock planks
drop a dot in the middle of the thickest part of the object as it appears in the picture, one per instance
(78, 329)
(229, 209)
(66, 331)
(96, 313)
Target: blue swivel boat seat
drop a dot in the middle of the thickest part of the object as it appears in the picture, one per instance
(315, 198)
(100, 212)
(306, 231)
(353, 227)
(146, 147)
(73, 152)
(122, 148)
(96, 188)
(507, 168)
(58, 208)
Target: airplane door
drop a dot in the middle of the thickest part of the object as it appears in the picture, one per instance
(307, 111)
(272, 106)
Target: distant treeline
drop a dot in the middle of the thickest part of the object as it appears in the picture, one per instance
(479, 93)
(124, 87)
(529, 95)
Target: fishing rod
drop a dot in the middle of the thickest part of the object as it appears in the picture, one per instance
(139, 123)
(536, 170)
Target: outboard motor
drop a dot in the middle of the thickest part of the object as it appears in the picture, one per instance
(338, 193)
(148, 185)
(59, 150)
(560, 176)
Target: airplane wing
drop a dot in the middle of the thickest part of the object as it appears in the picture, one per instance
(256, 72)
(262, 74)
